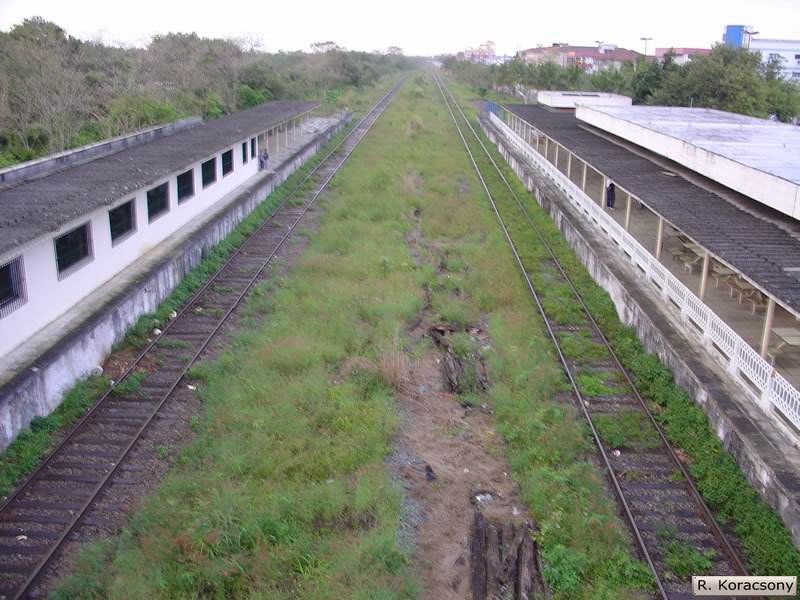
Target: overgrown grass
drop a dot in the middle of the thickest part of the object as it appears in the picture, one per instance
(139, 335)
(766, 542)
(26, 451)
(32, 443)
(283, 492)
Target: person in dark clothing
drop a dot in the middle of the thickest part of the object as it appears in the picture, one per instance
(266, 159)
(610, 189)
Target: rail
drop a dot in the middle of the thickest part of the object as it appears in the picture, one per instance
(629, 506)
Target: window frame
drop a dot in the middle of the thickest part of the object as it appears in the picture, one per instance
(85, 259)
(19, 291)
(183, 198)
(120, 237)
(227, 162)
(213, 162)
(154, 216)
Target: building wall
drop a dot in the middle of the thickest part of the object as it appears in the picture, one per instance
(49, 297)
(787, 50)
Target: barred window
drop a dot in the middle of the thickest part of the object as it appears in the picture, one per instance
(121, 221)
(185, 186)
(157, 201)
(209, 171)
(12, 287)
(73, 249)
(227, 162)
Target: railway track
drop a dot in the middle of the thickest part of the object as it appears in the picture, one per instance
(66, 497)
(656, 495)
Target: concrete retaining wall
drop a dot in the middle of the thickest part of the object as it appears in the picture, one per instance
(39, 388)
(771, 472)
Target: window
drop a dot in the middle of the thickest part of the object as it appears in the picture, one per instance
(227, 162)
(185, 185)
(72, 250)
(252, 147)
(209, 171)
(244, 153)
(157, 201)
(121, 221)
(774, 56)
(12, 287)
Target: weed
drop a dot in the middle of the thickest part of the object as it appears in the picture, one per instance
(165, 341)
(32, 442)
(131, 385)
(681, 557)
(625, 429)
(393, 364)
(461, 343)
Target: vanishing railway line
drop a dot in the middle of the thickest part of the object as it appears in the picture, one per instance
(656, 495)
(65, 498)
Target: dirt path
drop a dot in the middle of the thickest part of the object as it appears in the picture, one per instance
(449, 454)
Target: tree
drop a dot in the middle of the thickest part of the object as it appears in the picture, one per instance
(727, 79)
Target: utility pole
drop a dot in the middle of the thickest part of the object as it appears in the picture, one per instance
(645, 40)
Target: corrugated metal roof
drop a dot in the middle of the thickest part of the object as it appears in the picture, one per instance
(757, 247)
(34, 208)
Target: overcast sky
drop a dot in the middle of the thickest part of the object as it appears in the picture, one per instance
(423, 27)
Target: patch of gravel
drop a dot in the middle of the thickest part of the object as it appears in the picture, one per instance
(411, 509)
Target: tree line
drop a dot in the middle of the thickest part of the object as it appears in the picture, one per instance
(729, 79)
(59, 92)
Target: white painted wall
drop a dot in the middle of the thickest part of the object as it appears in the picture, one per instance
(787, 50)
(49, 298)
(560, 99)
(773, 191)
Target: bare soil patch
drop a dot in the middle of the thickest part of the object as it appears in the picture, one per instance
(452, 464)
(119, 360)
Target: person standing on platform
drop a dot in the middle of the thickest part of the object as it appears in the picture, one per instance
(610, 193)
(266, 159)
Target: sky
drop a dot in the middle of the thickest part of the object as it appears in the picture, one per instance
(419, 27)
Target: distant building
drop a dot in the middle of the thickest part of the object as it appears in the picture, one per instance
(590, 58)
(787, 52)
(682, 55)
(738, 36)
(484, 54)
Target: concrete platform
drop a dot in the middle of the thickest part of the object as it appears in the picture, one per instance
(34, 378)
(765, 454)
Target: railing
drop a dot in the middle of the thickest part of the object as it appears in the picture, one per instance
(771, 388)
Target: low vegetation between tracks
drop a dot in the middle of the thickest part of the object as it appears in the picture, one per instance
(765, 542)
(284, 492)
(33, 442)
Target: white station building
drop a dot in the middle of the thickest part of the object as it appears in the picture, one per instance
(83, 232)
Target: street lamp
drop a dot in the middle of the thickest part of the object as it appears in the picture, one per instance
(645, 40)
